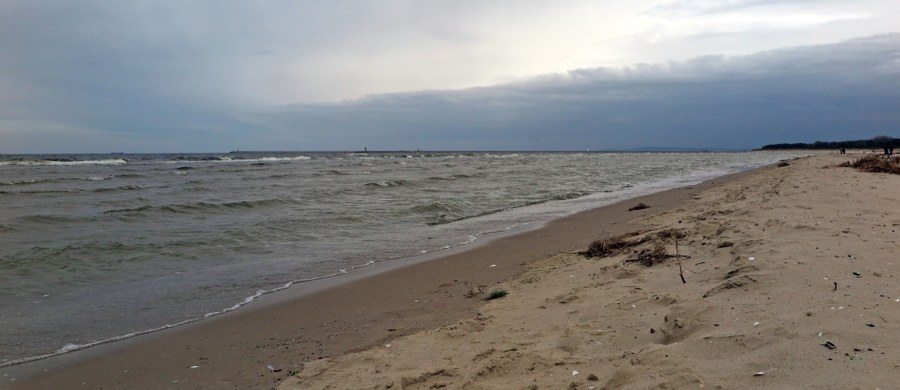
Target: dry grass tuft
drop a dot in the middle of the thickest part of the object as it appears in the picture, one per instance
(648, 256)
(610, 246)
(875, 163)
(654, 255)
(615, 245)
(473, 289)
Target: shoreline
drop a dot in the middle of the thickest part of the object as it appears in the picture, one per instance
(96, 359)
(317, 283)
(281, 248)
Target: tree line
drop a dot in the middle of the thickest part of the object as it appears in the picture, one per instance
(879, 142)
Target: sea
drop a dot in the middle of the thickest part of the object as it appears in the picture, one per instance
(98, 248)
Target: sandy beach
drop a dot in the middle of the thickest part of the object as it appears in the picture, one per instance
(790, 283)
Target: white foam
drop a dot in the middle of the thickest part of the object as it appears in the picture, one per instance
(65, 163)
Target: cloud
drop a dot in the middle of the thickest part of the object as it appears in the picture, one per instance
(845, 90)
(214, 75)
(719, 6)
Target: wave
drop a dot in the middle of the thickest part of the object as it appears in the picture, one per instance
(456, 177)
(448, 212)
(345, 173)
(511, 155)
(227, 159)
(441, 178)
(568, 195)
(445, 212)
(198, 207)
(444, 219)
(51, 218)
(65, 162)
(295, 158)
(453, 207)
(74, 191)
(389, 183)
(53, 180)
(122, 188)
(200, 158)
(38, 192)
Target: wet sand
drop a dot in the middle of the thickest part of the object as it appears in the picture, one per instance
(262, 345)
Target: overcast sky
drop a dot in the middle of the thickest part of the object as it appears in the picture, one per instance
(217, 75)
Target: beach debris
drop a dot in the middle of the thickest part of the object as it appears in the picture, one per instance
(610, 246)
(835, 286)
(574, 373)
(726, 244)
(593, 377)
(751, 258)
(871, 325)
(193, 367)
(639, 206)
(874, 163)
(829, 345)
(857, 274)
(493, 265)
(678, 259)
(761, 373)
(756, 323)
(272, 368)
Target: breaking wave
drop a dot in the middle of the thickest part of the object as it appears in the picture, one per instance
(65, 162)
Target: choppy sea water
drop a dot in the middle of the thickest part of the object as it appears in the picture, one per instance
(99, 247)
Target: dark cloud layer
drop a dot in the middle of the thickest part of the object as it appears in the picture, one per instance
(828, 92)
(89, 82)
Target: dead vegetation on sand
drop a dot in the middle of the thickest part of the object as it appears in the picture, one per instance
(648, 249)
(875, 163)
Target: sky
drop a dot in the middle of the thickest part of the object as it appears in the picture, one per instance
(219, 75)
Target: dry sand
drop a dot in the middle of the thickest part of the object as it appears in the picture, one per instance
(792, 282)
